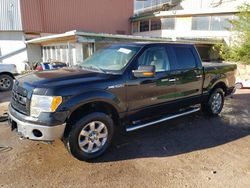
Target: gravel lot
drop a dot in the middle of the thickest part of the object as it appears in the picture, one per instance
(192, 151)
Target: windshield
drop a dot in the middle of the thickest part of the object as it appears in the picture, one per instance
(113, 58)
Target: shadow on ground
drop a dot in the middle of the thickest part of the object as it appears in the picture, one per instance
(184, 135)
(5, 96)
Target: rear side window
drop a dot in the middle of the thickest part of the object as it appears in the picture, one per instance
(185, 58)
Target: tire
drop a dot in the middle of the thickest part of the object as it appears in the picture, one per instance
(6, 82)
(84, 135)
(215, 103)
(238, 86)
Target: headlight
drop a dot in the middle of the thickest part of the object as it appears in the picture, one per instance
(41, 103)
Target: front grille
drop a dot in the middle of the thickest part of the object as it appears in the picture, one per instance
(19, 100)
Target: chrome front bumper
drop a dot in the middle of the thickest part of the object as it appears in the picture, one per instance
(37, 132)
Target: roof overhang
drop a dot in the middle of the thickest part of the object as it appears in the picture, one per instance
(56, 38)
(79, 36)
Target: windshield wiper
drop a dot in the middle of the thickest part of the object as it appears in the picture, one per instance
(92, 67)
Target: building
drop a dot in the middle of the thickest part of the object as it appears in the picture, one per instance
(193, 20)
(75, 46)
(12, 41)
(22, 20)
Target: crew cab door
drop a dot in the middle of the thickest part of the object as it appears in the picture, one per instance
(188, 75)
(147, 96)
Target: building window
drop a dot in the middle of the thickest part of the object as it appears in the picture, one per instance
(155, 24)
(138, 5)
(144, 26)
(200, 23)
(135, 27)
(221, 23)
(168, 23)
(150, 5)
(147, 3)
(212, 23)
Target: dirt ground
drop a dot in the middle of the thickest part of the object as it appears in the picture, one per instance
(192, 151)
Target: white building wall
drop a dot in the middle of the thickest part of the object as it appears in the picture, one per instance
(10, 15)
(183, 29)
(70, 53)
(10, 42)
(34, 53)
(187, 9)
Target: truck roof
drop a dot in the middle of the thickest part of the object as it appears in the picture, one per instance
(142, 44)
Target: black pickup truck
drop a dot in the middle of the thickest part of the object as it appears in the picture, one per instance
(125, 85)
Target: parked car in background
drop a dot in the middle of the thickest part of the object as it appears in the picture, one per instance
(49, 66)
(242, 83)
(7, 75)
(127, 86)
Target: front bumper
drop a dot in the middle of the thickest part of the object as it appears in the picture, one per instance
(35, 131)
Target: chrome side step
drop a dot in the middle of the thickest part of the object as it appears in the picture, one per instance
(139, 126)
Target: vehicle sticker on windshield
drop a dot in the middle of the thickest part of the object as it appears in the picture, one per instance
(124, 50)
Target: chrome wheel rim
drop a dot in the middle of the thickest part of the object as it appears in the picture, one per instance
(5, 83)
(217, 102)
(93, 137)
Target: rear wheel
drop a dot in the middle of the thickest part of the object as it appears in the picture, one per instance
(215, 103)
(90, 137)
(6, 82)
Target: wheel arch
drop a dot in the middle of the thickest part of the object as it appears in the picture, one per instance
(7, 73)
(219, 84)
(89, 107)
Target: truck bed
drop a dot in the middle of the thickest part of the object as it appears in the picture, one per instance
(217, 65)
(214, 70)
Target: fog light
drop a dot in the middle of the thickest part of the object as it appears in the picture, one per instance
(37, 133)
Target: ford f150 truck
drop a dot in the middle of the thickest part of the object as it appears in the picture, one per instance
(125, 85)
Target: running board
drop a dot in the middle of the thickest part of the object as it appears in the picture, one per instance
(139, 126)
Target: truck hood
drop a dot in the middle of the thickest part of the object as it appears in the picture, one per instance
(60, 77)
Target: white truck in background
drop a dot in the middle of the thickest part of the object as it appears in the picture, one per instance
(7, 76)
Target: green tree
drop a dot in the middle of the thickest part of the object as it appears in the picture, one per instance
(240, 50)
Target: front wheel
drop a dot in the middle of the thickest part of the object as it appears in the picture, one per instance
(215, 103)
(90, 137)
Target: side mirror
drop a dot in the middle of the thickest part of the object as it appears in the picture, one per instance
(144, 72)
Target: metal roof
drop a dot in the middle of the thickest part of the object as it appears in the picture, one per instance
(79, 36)
(10, 15)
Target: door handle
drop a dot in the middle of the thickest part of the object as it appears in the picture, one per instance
(172, 80)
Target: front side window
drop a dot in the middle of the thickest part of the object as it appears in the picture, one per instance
(185, 58)
(113, 58)
(155, 56)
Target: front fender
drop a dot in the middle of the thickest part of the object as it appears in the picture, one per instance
(93, 96)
